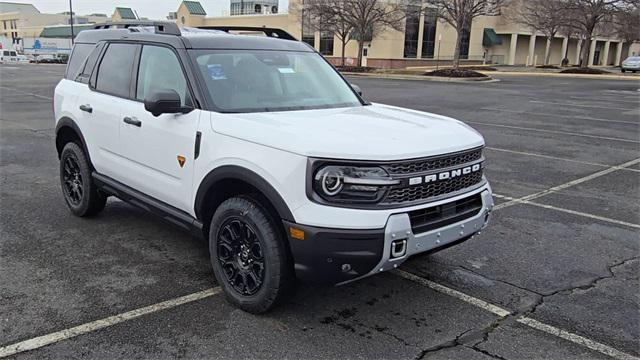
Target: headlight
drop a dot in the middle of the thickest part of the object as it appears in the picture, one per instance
(351, 184)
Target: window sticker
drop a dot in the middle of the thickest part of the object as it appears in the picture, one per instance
(217, 72)
(286, 71)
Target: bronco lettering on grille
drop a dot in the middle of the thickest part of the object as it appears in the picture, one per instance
(445, 175)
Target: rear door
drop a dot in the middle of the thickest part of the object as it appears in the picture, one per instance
(102, 107)
(159, 151)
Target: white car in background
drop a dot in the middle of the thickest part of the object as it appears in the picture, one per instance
(632, 63)
(8, 56)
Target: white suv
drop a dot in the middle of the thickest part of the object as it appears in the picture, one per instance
(261, 147)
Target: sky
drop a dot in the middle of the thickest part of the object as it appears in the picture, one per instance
(152, 9)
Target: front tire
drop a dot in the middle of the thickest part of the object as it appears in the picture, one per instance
(79, 191)
(248, 255)
(623, 71)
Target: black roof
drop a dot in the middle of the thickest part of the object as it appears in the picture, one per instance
(194, 38)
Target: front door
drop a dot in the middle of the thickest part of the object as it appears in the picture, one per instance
(159, 151)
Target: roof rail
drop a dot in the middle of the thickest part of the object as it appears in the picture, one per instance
(270, 32)
(161, 27)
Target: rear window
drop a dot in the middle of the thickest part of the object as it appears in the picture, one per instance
(78, 56)
(5, 53)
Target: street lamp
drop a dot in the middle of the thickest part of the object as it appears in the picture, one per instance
(71, 20)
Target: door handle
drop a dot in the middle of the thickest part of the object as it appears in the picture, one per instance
(133, 121)
(86, 108)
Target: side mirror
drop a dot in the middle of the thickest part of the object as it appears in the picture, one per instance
(165, 102)
(357, 89)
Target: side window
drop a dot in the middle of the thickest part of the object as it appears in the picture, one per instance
(160, 70)
(114, 73)
(84, 74)
(78, 56)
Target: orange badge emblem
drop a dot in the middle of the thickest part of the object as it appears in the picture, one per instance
(181, 160)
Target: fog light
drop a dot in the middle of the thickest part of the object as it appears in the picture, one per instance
(346, 267)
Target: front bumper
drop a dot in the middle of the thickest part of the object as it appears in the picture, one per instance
(339, 256)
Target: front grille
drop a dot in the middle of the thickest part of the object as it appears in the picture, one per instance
(435, 163)
(438, 216)
(434, 189)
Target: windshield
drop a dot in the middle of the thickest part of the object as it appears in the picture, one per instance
(266, 80)
(633, 58)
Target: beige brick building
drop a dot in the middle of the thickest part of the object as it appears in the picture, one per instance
(425, 40)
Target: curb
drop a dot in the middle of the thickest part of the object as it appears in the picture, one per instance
(577, 76)
(424, 78)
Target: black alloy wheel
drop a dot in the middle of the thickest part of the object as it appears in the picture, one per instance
(241, 257)
(72, 180)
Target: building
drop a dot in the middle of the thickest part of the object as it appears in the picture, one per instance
(425, 40)
(18, 21)
(249, 7)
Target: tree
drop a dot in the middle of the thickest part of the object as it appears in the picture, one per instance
(591, 17)
(545, 16)
(460, 15)
(330, 16)
(627, 23)
(370, 17)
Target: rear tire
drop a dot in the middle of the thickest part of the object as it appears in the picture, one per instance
(623, 71)
(249, 255)
(79, 191)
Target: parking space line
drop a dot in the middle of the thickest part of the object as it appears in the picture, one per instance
(558, 158)
(573, 212)
(580, 117)
(582, 105)
(561, 116)
(567, 185)
(26, 93)
(495, 309)
(40, 341)
(576, 339)
(532, 323)
(556, 132)
(605, 99)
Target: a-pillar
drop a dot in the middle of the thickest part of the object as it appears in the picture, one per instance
(605, 57)
(512, 49)
(532, 49)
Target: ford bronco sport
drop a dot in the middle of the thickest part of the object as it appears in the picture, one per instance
(257, 144)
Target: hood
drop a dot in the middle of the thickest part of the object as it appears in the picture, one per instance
(374, 132)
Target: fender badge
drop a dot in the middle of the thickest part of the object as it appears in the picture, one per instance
(181, 160)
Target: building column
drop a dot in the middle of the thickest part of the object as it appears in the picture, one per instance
(592, 52)
(618, 53)
(605, 56)
(532, 49)
(420, 36)
(578, 51)
(565, 45)
(512, 49)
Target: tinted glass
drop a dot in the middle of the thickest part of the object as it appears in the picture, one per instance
(78, 56)
(160, 70)
(259, 80)
(87, 68)
(114, 73)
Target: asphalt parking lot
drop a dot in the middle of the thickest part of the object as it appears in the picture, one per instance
(556, 275)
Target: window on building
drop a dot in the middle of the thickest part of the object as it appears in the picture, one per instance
(114, 73)
(429, 33)
(308, 31)
(411, 31)
(464, 43)
(326, 43)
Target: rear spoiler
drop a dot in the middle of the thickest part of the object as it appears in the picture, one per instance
(269, 32)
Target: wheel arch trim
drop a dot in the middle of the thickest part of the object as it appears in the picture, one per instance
(68, 122)
(234, 172)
